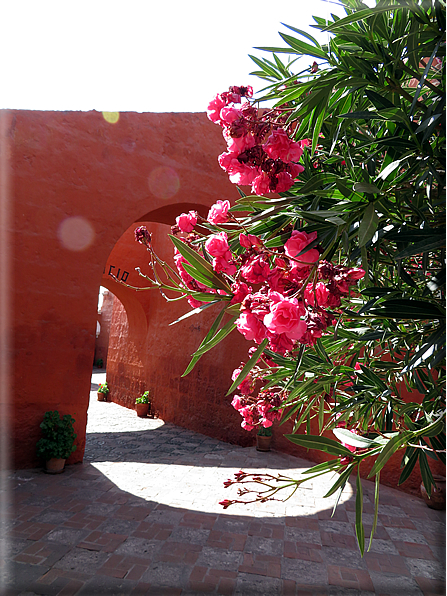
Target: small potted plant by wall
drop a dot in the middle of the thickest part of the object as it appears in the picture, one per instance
(142, 405)
(263, 439)
(57, 443)
(102, 392)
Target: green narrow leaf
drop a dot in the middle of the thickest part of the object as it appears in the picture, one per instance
(214, 327)
(342, 480)
(427, 476)
(201, 277)
(304, 34)
(199, 263)
(321, 414)
(422, 247)
(359, 529)
(301, 47)
(376, 509)
(220, 335)
(391, 447)
(408, 466)
(195, 311)
(424, 76)
(319, 443)
(359, 15)
(304, 415)
(323, 467)
(389, 169)
(317, 129)
(247, 368)
(366, 187)
(271, 72)
(368, 225)
(350, 438)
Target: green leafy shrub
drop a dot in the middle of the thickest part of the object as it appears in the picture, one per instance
(143, 399)
(58, 436)
(103, 388)
(354, 246)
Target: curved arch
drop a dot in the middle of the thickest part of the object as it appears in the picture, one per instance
(168, 213)
(135, 313)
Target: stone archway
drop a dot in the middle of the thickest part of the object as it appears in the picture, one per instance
(76, 183)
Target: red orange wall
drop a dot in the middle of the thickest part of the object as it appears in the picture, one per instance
(76, 183)
(104, 318)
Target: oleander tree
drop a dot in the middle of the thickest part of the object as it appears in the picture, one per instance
(332, 264)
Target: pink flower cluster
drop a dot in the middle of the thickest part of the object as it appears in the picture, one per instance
(287, 308)
(256, 410)
(259, 153)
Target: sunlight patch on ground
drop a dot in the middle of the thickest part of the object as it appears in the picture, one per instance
(201, 488)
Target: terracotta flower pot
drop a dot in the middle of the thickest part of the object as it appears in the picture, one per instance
(101, 396)
(55, 465)
(263, 443)
(142, 410)
(437, 499)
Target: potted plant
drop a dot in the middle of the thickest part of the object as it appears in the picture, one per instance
(143, 405)
(263, 439)
(57, 443)
(103, 391)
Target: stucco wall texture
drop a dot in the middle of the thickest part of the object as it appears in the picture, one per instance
(77, 187)
(104, 318)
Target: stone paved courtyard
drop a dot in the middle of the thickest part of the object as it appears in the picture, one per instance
(141, 516)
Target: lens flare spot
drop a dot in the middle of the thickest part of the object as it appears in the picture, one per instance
(76, 233)
(164, 182)
(111, 117)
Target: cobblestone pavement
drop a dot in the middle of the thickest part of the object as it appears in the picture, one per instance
(140, 516)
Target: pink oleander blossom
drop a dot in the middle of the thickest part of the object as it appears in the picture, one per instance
(280, 343)
(298, 242)
(280, 146)
(267, 414)
(214, 108)
(229, 114)
(239, 173)
(283, 182)
(228, 160)
(295, 169)
(285, 316)
(276, 280)
(239, 144)
(221, 264)
(179, 260)
(217, 246)
(258, 304)
(355, 273)
(242, 174)
(237, 402)
(187, 221)
(247, 386)
(251, 327)
(249, 240)
(261, 184)
(240, 291)
(256, 270)
(219, 212)
(321, 292)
